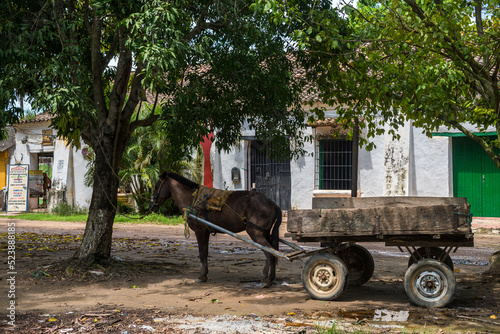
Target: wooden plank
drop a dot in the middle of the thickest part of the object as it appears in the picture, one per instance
(373, 202)
(417, 240)
(386, 220)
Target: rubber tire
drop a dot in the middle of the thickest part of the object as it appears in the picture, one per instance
(358, 257)
(336, 281)
(435, 254)
(430, 270)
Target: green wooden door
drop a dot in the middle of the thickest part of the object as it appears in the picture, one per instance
(476, 177)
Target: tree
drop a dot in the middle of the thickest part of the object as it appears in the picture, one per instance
(147, 155)
(208, 65)
(435, 62)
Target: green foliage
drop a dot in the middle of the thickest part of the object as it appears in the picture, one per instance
(205, 67)
(129, 219)
(124, 209)
(204, 59)
(7, 117)
(152, 218)
(64, 209)
(389, 61)
(148, 154)
(49, 217)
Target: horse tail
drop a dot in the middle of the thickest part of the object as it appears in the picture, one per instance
(275, 234)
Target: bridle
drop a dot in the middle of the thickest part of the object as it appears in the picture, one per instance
(157, 193)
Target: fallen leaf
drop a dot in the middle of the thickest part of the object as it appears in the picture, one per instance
(493, 316)
(52, 319)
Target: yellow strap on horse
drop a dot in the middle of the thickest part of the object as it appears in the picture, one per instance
(187, 211)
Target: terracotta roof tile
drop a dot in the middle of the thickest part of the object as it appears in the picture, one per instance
(43, 117)
(329, 121)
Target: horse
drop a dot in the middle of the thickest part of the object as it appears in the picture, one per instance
(242, 210)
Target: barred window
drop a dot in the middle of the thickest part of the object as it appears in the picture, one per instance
(333, 164)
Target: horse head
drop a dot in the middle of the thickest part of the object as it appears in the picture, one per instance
(160, 194)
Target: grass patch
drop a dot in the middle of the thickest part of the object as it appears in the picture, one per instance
(335, 328)
(48, 217)
(127, 219)
(152, 218)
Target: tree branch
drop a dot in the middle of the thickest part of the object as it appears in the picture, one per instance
(489, 149)
(133, 98)
(95, 53)
(202, 26)
(149, 120)
(111, 53)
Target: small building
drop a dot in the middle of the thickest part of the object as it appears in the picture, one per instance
(36, 144)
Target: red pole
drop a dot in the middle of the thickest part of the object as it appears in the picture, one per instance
(206, 144)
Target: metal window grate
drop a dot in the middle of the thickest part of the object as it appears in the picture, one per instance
(333, 164)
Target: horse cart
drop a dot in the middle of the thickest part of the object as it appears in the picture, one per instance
(428, 228)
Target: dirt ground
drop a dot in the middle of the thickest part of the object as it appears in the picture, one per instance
(151, 288)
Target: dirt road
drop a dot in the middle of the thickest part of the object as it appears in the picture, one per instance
(152, 288)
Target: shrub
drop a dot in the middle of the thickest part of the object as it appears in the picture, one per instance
(64, 209)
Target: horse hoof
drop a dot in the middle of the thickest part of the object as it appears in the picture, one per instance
(201, 280)
(266, 285)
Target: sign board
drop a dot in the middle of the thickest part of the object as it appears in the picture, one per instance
(47, 138)
(17, 193)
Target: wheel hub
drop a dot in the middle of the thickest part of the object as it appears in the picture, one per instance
(323, 277)
(429, 284)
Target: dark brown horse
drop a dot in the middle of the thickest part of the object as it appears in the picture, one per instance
(243, 210)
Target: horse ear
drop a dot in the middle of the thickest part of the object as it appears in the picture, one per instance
(163, 176)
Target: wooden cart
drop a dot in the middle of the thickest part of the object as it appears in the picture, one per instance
(429, 228)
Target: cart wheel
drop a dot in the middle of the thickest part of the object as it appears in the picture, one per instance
(429, 283)
(325, 276)
(360, 264)
(434, 252)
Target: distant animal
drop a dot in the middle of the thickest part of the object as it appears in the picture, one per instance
(241, 210)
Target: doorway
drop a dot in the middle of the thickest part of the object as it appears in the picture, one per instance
(270, 175)
(476, 177)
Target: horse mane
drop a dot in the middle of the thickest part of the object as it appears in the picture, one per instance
(182, 180)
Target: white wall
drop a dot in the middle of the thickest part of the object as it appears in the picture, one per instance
(432, 165)
(416, 165)
(83, 194)
(68, 168)
(302, 172)
(224, 162)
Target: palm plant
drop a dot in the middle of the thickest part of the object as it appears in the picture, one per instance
(148, 154)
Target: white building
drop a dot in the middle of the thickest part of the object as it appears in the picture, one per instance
(446, 165)
(36, 145)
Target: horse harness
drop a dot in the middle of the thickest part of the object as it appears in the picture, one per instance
(201, 200)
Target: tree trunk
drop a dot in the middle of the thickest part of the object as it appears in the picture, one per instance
(96, 242)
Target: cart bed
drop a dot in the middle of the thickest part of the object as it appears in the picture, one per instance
(395, 220)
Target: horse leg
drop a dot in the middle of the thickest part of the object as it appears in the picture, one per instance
(202, 237)
(269, 271)
(272, 266)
